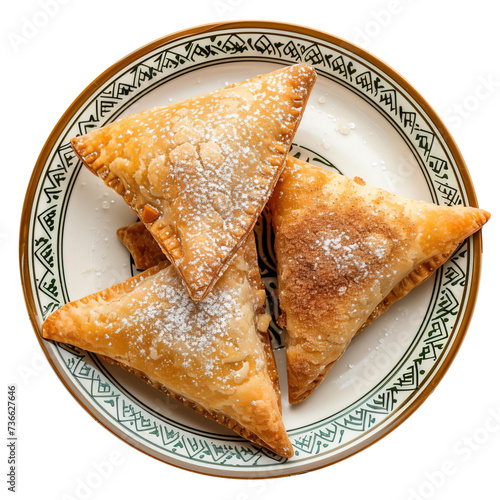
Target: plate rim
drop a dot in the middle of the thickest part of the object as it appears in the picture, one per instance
(101, 79)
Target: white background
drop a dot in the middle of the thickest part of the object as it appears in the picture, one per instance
(448, 50)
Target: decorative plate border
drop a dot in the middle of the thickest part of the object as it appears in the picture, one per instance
(439, 336)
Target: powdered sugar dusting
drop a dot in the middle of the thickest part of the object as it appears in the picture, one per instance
(212, 338)
(208, 164)
(348, 251)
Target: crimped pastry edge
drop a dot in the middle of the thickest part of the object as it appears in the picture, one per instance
(168, 241)
(218, 417)
(417, 276)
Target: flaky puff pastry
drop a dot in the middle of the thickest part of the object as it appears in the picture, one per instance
(213, 356)
(199, 173)
(346, 252)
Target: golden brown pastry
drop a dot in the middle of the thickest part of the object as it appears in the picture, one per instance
(198, 173)
(143, 248)
(346, 252)
(214, 356)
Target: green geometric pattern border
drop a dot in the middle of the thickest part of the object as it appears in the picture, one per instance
(333, 62)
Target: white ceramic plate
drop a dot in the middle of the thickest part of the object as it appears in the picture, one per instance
(362, 119)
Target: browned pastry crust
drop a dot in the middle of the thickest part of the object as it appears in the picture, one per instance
(213, 356)
(407, 284)
(199, 173)
(345, 253)
(218, 417)
(143, 248)
(146, 251)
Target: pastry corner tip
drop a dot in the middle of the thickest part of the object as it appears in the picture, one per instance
(486, 215)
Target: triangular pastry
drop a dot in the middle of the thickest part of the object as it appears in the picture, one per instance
(346, 252)
(143, 248)
(199, 173)
(214, 356)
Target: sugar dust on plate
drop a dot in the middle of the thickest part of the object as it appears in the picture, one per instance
(380, 164)
(345, 128)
